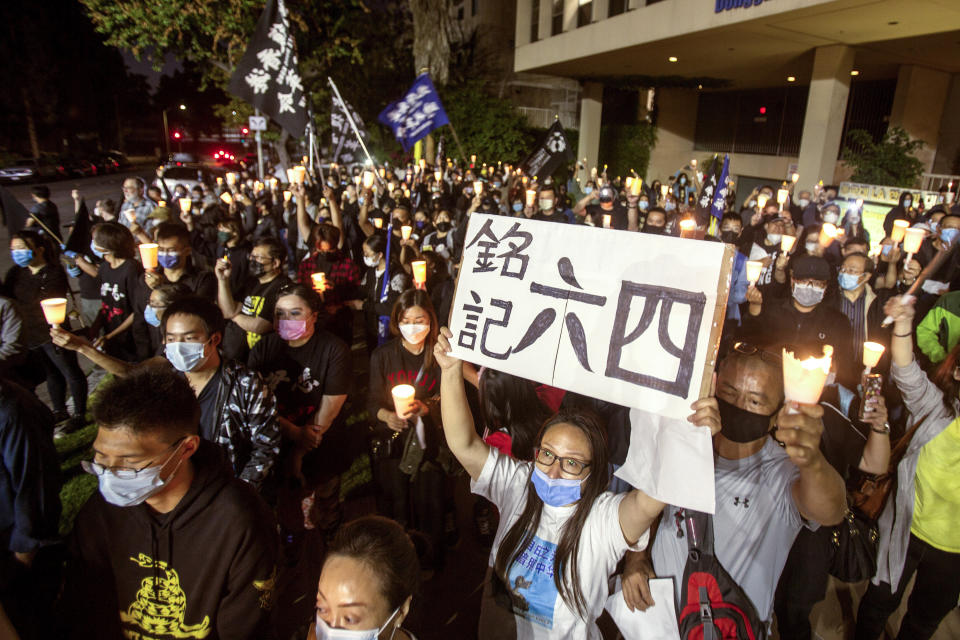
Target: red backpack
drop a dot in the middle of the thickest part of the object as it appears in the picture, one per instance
(713, 606)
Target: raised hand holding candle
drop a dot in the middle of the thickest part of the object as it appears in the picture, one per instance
(148, 255)
(828, 233)
(319, 282)
(185, 204)
(754, 269)
(299, 174)
(803, 380)
(663, 191)
(378, 223)
(54, 310)
(367, 179)
(287, 195)
(687, 228)
(636, 186)
(872, 352)
(219, 181)
(899, 230)
(403, 399)
(762, 200)
(782, 196)
(912, 239)
(478, 187)
(232, 178)
(787, 242)
(405, 231)
(419, 273)
(531, 197)
(226, 197)
(795, 178)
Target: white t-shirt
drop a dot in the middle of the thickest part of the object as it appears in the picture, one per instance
(533, 607)
(754, 526)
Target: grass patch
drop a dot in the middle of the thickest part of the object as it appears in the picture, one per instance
(73, 495)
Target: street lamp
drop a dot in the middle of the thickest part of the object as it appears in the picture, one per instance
(183, 107)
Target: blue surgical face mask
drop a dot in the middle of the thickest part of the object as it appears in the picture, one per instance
(131, 491)
(886, 249)
(518, 206)
(96, 251)
(555, 492)
(948, 236)
(588, 190)
(848, 281)
(669, 206)
(325, 632)
(185, 356)
(169, 259)
(150, 315)
(934, 226)
(22, 257)
(644, 205)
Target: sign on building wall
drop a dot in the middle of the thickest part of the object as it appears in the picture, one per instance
(727, 5)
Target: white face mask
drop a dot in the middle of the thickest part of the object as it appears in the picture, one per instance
(804, 202)
(812, 246)
(326, 632)
(774, 238)
(371, 261)
(831, 217)
(414, 333)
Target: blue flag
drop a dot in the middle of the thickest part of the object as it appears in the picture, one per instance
(719, 205)
(416, 114)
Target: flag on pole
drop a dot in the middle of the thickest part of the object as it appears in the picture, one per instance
(416, 114)
(81, 234)
(441, 154)
(345, 145)
(268, 76)
(720, 199)
(552, 151)
(707, 190)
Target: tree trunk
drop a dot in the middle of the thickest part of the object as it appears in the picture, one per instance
(31, 125)
(431, 38)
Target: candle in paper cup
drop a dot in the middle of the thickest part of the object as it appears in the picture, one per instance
(782, 195)
(872, 352)
(148, 255)
(438, 175)
(795, 178)
(367, 179)
(687, 228)
(787, 242)
(406, 192)
(357, 180)
(762, 200)
(478, 186)
(232, 178)
(419, 273)
(473, 159)
(319, 282)
(291, 175)
(606, 220)
(54, 310)
(422, 164)
(405, 231)
(226, 197)
(531, 197)
(899, 230)
(635, 187)
(663, 190)
(629, 182)
(754, 269)
(828, 233)
(287, 195)
(912, 239)
(803, 380)
(273, 183)
(403, 399)
(378, 223)
(185, 204)
(258, 186)
(299, 174)
(219, 180)
(162, 203)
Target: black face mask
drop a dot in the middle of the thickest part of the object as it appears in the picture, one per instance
(443, 226)
(257, 269)
(657, 231)
(730, 237)
(740, 425)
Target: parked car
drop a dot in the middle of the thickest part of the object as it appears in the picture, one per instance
(30, 170)
(189, 175)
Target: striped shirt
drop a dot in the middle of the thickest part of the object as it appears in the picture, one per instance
(856, 312)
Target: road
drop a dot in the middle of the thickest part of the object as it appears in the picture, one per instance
(92, 189)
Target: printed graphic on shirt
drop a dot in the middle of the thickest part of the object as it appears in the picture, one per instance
(253, 306)
(533, 594)
(265, 587)
(159, 608)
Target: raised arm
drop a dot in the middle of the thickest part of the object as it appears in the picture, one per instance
(458, 427)
(364, 219)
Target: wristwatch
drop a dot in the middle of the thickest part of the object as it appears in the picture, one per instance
(885, 429)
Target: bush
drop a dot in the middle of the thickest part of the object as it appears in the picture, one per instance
(626, 147)
(889, 162)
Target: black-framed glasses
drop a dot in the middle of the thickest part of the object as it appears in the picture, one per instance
(570, 466)
(749, 349)
(124, 472)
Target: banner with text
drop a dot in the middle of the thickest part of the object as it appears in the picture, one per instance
(629, 318)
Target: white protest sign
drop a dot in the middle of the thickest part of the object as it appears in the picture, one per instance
(630, 318)
(258, 123)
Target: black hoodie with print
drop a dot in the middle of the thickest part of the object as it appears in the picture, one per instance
(204, 570)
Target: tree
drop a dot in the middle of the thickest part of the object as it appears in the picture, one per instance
(489, 127)
(887, 162)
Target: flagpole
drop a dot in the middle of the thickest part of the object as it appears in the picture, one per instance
(356, 132)
(456, 138)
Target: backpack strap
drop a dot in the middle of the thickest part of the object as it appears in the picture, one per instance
(699, 532)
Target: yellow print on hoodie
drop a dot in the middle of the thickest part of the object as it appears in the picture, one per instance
(160, 606)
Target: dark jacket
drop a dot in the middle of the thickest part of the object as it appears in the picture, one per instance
(204, 570)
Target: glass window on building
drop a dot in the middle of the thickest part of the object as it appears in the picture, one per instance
(534, 20)
(617, 7)
(584, 12)
(556, 22)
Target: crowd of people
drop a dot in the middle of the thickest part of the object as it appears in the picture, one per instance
(222, 434)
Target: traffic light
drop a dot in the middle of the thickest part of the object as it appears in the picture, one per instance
(176, 135)
(244, 130)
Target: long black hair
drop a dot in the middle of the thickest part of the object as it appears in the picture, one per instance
(519, 536)
(511, 403)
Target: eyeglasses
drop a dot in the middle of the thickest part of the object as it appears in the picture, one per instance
(124, 472)
(748, 349)
(570, 466)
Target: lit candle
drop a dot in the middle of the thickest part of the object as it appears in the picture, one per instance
(148, 255)
(357, 180)
(782, 195)
(795, 178)
(419, 273)
(912, 239)
(231, 178)
(287, 195)
(305, 160)
(762, 200)
(299, 174)
(273, 183)
(828, 233)
(258, 186)
(872, 352)
(754, 269)
(636, 186)
(319, 282)
(478, 186)
(663, 191)
(219, 181)
(422, 164)
(403, 395)
(162, 203)
(405, 231)
(367, 179)
(687, 228)
(787, 242)
(54, 310)
(378, 223)
(226, 197)
(593, 173)
(531, 197)
(473, 159)
(606, 220)
(383, 172)
(185, 204)
(803, 380)
(899, 230)
(438, 175)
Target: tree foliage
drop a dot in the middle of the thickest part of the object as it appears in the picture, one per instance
(625, 148)
(888, 162)
(488, 127)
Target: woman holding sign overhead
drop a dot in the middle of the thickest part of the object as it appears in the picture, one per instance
(408, 449)
(561, 534)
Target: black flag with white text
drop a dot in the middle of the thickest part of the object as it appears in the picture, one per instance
(550, 154)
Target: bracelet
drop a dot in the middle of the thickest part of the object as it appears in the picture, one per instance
(883, 431)
(903, 335)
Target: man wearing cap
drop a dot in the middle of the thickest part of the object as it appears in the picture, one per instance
(609, 206)
(802, 321)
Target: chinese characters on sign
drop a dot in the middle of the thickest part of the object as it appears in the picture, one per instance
(623, 317)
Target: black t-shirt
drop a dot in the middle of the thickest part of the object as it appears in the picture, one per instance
(117, 291)
(89, 285)
(259, 299)
(300, 376)
(208, 406)
(557, 216)
(618, 215)
(27, 290)
(48, 214)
